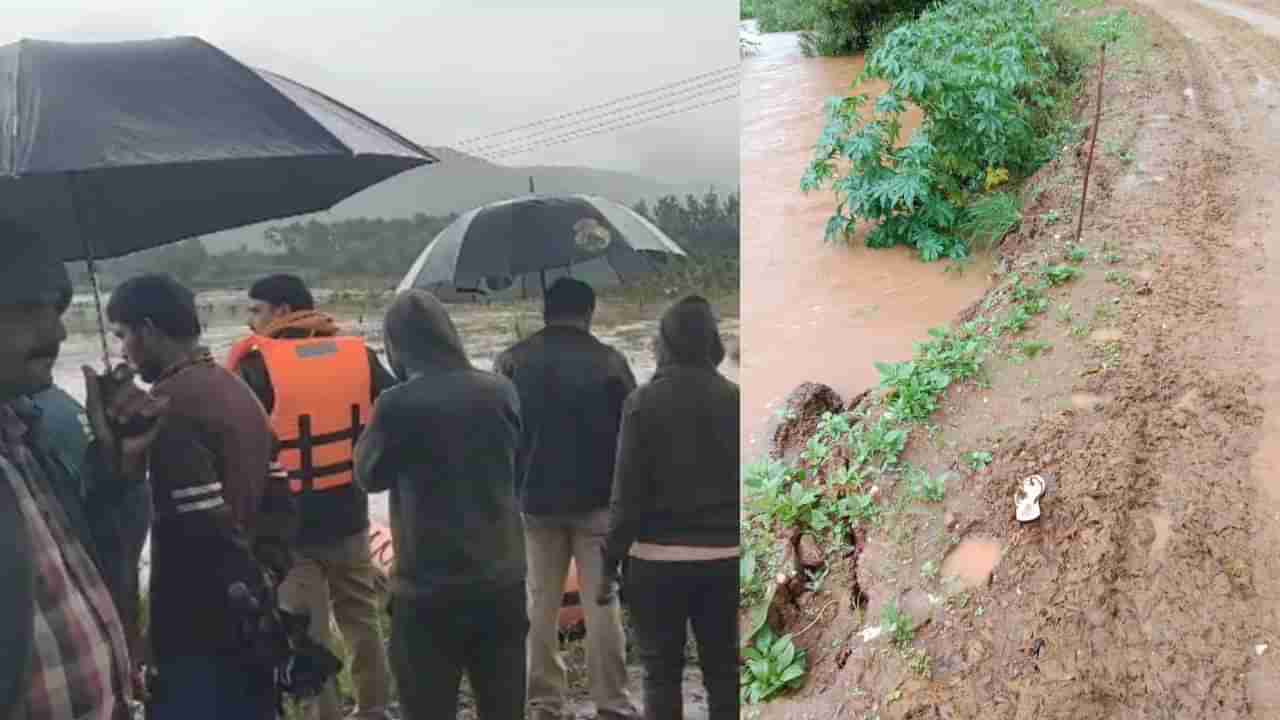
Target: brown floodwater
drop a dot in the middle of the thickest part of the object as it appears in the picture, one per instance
(972, 562)
(817, 311)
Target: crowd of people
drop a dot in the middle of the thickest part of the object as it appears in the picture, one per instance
(251, 473)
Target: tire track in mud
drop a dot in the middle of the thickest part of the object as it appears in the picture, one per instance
(1140, 584)
(1251, 54)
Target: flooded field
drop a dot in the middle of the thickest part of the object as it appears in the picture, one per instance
(818, 312)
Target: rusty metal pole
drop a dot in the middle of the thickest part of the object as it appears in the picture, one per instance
(1093, 142)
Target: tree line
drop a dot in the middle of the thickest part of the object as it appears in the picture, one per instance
(360, 251)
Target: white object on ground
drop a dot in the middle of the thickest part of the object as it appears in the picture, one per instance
(871, 633)
(1028, 503)
(1260, 648)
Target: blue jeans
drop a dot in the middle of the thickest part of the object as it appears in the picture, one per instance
(211, 688)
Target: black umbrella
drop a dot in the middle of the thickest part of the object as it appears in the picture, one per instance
(493, 246)
(110, 148)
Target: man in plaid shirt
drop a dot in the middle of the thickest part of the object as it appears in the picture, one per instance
(65, 651)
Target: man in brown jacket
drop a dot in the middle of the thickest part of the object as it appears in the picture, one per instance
(208, 467)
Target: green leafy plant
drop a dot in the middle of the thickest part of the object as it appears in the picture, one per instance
(897, 624)
(878, 447)
(913, 387)
(990, 87)
(926, 487)
(978, 459)
(1057, 275)
(773, 665)
(779, 494)
(1077, 254)
(813, 580)
(858, 509)
(1119, 277)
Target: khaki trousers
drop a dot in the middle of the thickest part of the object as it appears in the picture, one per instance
(339, 581)
(550, 542)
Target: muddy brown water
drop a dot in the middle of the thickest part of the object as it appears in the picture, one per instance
(817, 311)
(972, 561)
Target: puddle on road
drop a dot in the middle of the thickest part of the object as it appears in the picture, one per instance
(816, 311)
(972, 562)
(1162, 522)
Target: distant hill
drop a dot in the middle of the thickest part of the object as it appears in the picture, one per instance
(460, 182)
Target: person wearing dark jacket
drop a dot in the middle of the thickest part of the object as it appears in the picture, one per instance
(674, 512)
(208, 470)
(61, 516)
(303, 370)
(446, 443)
(572, 387)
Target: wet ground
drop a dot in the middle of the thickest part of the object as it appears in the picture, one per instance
(816, 311)
(1148, 588)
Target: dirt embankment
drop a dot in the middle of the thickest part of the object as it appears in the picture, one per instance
(1148, 588)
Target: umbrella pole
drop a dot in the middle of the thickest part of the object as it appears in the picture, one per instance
(92, 268)
(97, 301)
(542, 274)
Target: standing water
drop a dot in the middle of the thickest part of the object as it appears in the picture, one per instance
(818, 311)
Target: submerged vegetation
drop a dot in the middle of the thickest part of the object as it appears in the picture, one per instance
(994, 80)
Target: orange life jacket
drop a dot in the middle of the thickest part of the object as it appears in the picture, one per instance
(322, 390)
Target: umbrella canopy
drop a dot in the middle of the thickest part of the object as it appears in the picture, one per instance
(492, 246)
(110, 148)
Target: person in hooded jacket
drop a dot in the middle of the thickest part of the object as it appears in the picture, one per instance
(445, 442)
(674, 511)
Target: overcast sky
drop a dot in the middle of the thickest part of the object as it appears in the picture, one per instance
(440, 71)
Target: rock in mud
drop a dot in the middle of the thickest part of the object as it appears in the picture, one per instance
(800, 415)
(809, 554)
(917, 606)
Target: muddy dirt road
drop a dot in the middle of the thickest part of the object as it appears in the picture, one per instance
(1150, 587)
(1240, 46)
(817, 310)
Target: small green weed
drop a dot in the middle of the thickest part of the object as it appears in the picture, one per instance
(920, 663)
(1033, 348)
(1052, 217)
(898, 625)
(1059, 274)
(929, 570)
(857, 509)
(977, 460)
(1064, 313)
(926, 487)
(773, 666)
(813, 580)
(990, 218)
(1076, 254)
(1120, 278)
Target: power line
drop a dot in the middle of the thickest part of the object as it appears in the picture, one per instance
(720, 73)
(691, 93)
(608, 117)
(571, 137)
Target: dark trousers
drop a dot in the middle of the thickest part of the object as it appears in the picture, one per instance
(664, 597)
(211, 688)
(478, 631)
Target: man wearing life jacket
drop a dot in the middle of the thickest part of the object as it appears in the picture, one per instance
(318, 388)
